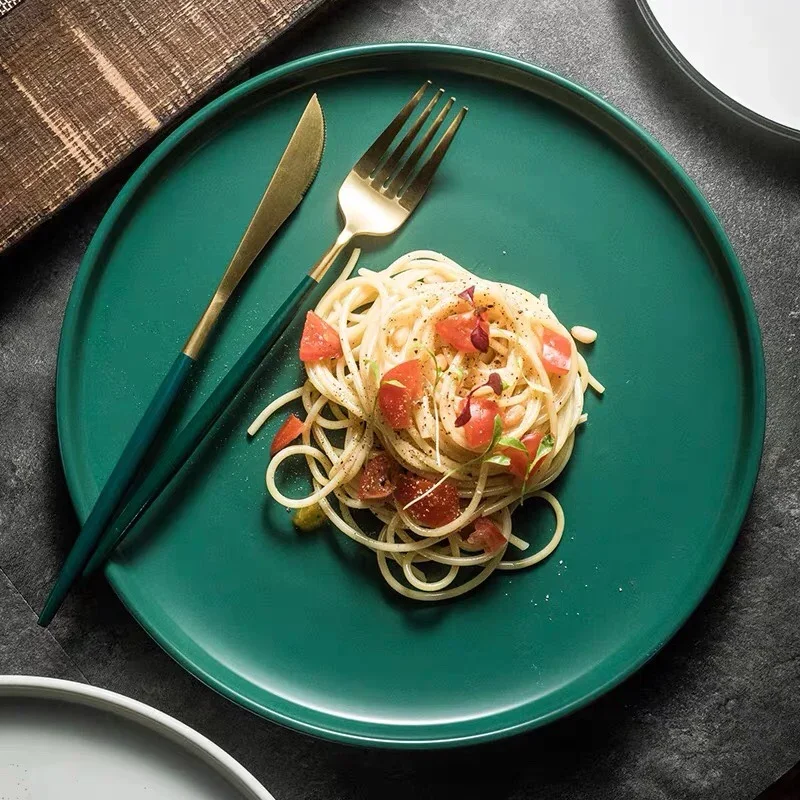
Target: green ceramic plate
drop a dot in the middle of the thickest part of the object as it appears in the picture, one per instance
(547, 187)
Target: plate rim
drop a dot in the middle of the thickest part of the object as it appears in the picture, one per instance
(372, 733)
(744, 112)
(136, 712)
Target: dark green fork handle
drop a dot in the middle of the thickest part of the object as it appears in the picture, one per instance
(118, 483)
(181, 449)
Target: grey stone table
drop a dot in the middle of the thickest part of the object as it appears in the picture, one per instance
(715, 715)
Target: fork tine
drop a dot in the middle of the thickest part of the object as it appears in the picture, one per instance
(413, 193)
(366, 165)
(400, 179)
(385, 172)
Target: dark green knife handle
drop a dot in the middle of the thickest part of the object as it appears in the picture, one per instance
(181, 449)
(118, 483)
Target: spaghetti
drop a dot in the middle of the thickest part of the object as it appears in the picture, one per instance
(446, 402)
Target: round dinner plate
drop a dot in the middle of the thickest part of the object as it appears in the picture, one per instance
(742, 52)
(547, 187)
(73, 741)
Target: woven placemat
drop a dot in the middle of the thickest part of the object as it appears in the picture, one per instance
(85, 82)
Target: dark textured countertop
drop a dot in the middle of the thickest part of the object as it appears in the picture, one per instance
(716, 714)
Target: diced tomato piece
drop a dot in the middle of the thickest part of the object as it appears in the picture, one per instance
(409, 373)
(457, 330)
(438, 508)
(378, 478)
(478, 431)
(319, 339)
(288, 432)
(400, 387)
(486, 535)
(556, 352)
(519, 460)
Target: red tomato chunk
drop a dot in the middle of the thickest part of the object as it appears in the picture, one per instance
(556, 352)
(400, 387)
(438, 508)
(486, 535)
(287, 433)
(457, 330)
(319, 339)
(378, 478)
(479, 428)
(519, 460)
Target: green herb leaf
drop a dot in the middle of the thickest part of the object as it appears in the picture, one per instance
(527, 474)
(459, 373)
(496, 434)
(435, 366)
(510, 441)
(392, 382)
(545, 446)
(374, 372)
(497, 431)
(499, 459)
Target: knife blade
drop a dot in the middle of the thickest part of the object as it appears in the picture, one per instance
(292, 178)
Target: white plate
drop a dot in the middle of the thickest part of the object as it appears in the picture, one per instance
(67, 741)
(743, 52)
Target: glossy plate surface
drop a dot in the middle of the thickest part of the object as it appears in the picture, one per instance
(73, 741)
(546, 187)
(743, 53)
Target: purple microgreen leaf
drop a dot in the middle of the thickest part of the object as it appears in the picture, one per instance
(468, 295)
(466, 413)
(464, 417)
(480, 336)
(495, 382)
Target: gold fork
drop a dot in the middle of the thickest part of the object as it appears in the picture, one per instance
(376, 198)
(379, 194)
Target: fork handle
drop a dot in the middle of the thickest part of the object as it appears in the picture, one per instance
(317, 272)
(118, 483)
(180, 449)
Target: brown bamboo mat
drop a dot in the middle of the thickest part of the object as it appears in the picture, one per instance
(85, 82)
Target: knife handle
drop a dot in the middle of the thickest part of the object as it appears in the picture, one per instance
(118, 483)
(182, 447)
